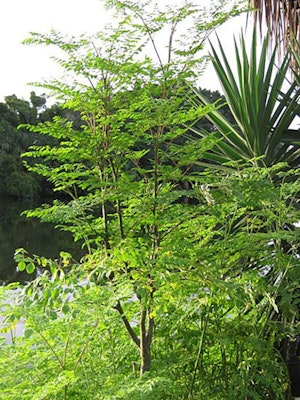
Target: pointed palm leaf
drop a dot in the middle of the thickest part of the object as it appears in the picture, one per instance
(262, 111)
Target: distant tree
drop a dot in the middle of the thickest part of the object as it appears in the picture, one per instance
(22, 109)
(39, 102)
(15, 179)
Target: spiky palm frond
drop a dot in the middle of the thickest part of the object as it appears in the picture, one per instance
(262, 110)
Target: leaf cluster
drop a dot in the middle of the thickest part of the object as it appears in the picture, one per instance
(188, 280)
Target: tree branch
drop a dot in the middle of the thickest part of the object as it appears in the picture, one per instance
(150, 330)
(126, 323)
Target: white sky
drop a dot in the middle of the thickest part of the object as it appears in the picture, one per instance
(22, 64)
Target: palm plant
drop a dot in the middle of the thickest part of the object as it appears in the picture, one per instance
(282, 19)
(262, 111)
(264, 105)
(295, 50)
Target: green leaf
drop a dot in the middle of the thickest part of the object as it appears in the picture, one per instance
(28, 332)
(22, 265)
(65, 309)
(30, 267)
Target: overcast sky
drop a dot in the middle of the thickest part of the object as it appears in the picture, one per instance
(22, 64)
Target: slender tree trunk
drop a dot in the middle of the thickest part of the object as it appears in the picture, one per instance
(146, 332)
(145, 353)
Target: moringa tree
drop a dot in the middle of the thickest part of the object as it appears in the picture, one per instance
(169, 281)
(123, 169)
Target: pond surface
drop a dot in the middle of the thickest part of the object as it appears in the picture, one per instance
(36, 237)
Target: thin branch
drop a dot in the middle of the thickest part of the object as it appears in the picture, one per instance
(153, 42)
(66, 350)
(85, 346)
(163, 235)
(150, 331)
(173, 29)
(52, 349)
(127, 325)
(118, 202)
(199, 356)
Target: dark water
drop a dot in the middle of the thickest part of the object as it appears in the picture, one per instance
(36, 237)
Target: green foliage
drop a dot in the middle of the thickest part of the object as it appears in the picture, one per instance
(21, 108)
(121, 168)
(15, 180)
(21, 185)
(184, 270)
(38, 102)
(214, 295)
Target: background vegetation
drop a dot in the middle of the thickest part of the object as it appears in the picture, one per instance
(188, 287)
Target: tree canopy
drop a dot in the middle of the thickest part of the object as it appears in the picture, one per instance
(189, 284)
